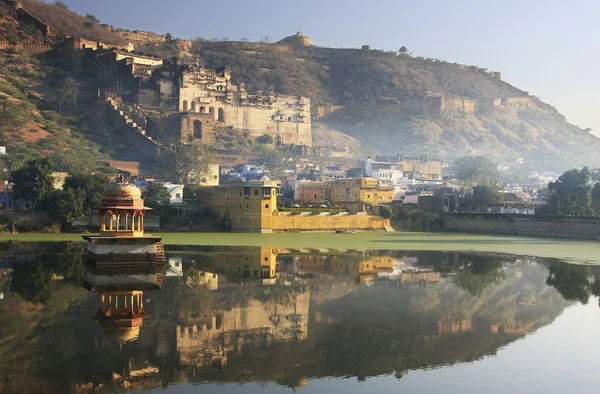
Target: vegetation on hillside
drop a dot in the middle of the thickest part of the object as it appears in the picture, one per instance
(64, 22)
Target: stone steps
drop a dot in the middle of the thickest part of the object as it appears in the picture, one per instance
(127, 119)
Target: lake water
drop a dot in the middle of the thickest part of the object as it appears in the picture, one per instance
(276, 319)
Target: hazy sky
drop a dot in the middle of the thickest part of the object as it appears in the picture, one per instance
(547, 47)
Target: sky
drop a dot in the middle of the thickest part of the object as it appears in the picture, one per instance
(546, 47)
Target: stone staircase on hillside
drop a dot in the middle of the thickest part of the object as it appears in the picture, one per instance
(127, 119)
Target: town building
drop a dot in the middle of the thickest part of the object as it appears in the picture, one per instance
(209, 178)
(243, 205)
(354, 194)
(394, 168)
(251, 206)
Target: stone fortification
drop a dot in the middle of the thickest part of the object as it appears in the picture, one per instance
(430, 103)
(26, 46)
(205, 99)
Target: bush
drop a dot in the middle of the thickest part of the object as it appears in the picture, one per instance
(386, 212)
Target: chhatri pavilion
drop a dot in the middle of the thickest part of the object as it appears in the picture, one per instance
(122, 239)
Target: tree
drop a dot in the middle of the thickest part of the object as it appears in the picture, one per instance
(596, 197)
(265, 39)
(65, 205)
(486, 196)
(571, 193)
(479, 274)
(92, 18)
(67, 94)
(177, 161)
(386, 212)
(61, 4)
(573, 282)
(477, 170)
(34, 180)
(158, 198)
(92, 185)
(33, 282)
(265, 139)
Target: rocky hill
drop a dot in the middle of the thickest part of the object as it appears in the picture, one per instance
(403, 104)
(386, 102)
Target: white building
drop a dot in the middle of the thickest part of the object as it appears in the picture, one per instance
(175, 192)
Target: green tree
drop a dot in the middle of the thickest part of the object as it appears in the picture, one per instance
(477, 170)
(65, 205)
(33, 282)
(92, 18)
(34, 180)
(68, 94)
(573, 282)
(265, 139)
(158, 198)
(61, 4)
(486, 196)
(92, 185)
(386, 212)
(177, 161)
(596, 197)
(479, 274)
(571, 193)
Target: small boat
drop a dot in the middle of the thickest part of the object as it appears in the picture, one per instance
(345, 232)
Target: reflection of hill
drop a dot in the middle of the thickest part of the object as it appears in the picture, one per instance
(390, 330)
(300, 326)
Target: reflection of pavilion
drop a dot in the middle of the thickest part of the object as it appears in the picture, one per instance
(120, 315)
(120, 312)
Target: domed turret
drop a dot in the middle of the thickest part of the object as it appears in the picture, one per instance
(123, 191)
(297, 39)
(122, 210)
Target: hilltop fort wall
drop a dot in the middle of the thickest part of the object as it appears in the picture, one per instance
(26, 46)
(429, 103)
(28, 18)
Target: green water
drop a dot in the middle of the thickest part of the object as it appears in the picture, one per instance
(583, 251)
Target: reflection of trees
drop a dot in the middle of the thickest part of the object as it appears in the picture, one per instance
(573, 282)
(33, 281)
(479, 274)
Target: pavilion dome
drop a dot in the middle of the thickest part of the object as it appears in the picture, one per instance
(122, 190)
(121, 334)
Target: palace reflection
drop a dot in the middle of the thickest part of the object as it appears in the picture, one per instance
(286, 315)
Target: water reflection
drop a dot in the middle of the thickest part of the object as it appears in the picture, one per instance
(285, 315)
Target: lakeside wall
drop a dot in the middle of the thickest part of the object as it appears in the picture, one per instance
(576, 227)
(359, 221)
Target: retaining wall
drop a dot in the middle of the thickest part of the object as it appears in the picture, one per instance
(567, 227)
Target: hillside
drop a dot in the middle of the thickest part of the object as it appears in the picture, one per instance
(49, 106)
(382, 101)
(64, 22)
(385, 102)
